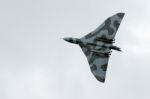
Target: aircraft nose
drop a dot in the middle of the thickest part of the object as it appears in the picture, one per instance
(66, 39)
(69, 39)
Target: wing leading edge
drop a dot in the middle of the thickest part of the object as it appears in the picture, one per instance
(107, 30)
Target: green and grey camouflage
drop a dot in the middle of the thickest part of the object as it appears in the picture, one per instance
(97, 45)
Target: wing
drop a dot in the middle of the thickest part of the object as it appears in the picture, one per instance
(107, 30)
(98, 62)
(101, 36)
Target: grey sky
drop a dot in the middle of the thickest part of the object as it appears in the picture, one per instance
(36, 64)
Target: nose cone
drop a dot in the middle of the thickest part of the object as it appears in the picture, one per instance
(71, 40)
(67, 39)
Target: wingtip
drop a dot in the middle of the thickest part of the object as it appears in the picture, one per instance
(100, 79)
(121, 14)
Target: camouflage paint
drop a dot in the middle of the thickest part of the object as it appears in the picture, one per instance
(97, 45)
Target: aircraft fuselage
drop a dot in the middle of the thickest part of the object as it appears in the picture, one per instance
(78, 41)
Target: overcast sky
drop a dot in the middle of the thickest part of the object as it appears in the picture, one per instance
(35, 63)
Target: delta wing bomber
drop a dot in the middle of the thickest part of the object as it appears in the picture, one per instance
(97, 45)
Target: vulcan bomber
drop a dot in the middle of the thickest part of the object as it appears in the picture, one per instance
(98, 45)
